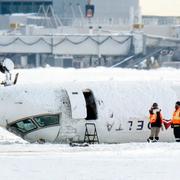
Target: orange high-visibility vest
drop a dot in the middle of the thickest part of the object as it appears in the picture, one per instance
(153, 118)
(176, 117)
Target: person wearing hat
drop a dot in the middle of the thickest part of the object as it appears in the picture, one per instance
(156, 122)
(175, 122)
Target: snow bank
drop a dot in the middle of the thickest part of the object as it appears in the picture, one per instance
(41, 75)
(9, 138)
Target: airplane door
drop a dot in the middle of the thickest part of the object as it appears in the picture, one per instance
(77, 102)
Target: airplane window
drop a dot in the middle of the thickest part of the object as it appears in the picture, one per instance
(24, 126)
(47, 120)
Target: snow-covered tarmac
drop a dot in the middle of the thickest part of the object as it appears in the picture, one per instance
(133, 161)
(20, 160)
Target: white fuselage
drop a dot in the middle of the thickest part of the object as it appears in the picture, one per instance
(121, 108)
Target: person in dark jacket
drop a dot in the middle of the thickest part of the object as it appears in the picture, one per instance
(175, 122)
(156, 122)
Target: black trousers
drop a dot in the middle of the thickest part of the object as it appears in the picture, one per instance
(177, 133)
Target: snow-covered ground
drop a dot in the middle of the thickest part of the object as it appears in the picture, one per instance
(20, 160)
(133, 161)
(41, 75)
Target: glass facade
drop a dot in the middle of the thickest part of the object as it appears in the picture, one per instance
(10, 7)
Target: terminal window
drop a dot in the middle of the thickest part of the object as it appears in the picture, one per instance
(22, 7)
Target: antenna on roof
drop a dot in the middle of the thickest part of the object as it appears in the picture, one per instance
(47, 17)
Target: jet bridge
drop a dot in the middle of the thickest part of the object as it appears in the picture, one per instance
(132, 45)
(80, 44)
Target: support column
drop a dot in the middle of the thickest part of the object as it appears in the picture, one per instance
(131, 17)
(24, 61)
(144, 44)
(138, 42)
(38, 58)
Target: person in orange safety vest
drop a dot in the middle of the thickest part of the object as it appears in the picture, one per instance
(175, 122)
(156, 121)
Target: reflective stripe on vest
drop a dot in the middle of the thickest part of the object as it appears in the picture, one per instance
(153, 118)
(176, 117)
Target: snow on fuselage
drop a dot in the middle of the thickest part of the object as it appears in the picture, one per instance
(57, 111)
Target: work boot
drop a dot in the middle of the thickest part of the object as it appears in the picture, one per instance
(156, 139)
(177, 139)
(150, 139)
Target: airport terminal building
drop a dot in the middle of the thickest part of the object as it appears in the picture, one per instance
(69, 8)
(84, 17)
(102, 8)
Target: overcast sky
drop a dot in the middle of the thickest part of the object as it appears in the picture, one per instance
(161, 7)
